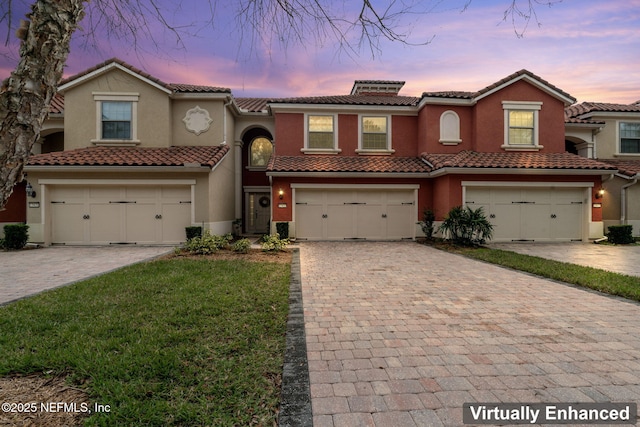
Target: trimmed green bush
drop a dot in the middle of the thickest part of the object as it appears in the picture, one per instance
(193, 231)
(242, 246)
(273, 243)
(282, 228)
(620, 234)
(16, 236)
(207, 244)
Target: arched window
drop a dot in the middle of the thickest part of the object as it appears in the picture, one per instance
(450, 128)
(260, 152)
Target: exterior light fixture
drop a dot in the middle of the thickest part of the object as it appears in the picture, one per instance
(281, 193)
(599, 194)
(30, 191)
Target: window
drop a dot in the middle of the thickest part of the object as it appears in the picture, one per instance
(374, 133)
(521, 125)
(260, 152)
(321, 132)
(450, 128)
(116, 120)
(630, 138)
(521, 128)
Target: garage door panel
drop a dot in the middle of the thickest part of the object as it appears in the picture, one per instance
(309, 221)
(120, 214)
(360, 214)
(105, 223)
(67, 224)
(369, 221)
(400, 221)
(537, 213)
(340, 222)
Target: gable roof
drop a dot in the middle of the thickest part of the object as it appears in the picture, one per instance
(115, 63)
(523, 74)
(133, 156)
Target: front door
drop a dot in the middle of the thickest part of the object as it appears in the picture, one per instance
(258, 213)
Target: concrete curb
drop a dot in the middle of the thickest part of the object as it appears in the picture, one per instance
(295, 401)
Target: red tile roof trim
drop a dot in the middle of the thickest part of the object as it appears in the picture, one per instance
(332, 163)
(514, 160)
(629, 168)
(132, 156)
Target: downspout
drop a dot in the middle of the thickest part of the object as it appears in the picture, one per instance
(224, 121)
(623, 200)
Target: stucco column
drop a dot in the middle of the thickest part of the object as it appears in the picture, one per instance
(238, 178)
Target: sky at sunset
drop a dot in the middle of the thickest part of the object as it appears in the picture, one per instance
(588, 48)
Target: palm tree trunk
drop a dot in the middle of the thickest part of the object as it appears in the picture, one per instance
(26, 95)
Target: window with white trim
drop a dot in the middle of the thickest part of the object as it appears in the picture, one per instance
(116, 118)
(321, 132)
(521, 125)
(629, 138)
(450, 128)
(374, 133)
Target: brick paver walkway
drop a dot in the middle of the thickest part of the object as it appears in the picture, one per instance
(28, 272)
(400, 334)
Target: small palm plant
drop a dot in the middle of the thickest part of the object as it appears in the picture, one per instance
(466, 226)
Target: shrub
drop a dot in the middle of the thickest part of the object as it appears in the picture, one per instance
(466, 226)
(428, 217)
(242, 246)
(15, 236)
(273, 243)
(620, 234)
(207, 243)
(193, 231)
(282, 228)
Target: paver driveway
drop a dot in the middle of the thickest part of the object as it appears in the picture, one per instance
(24, 273)
(400, 334)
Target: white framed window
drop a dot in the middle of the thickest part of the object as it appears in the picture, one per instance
(116, 118)
(450, 128)
(521, 130)
(629, 137)
(374, 135)
(321, 133)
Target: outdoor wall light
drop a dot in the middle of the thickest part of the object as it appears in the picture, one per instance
(30, 191)
(599, 194)
(281, 193)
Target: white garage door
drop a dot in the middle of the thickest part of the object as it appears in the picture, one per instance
(106, 215)
(531, 214)
(355, 214)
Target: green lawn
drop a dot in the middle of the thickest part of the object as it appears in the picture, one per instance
(171, 342)
(592, 278)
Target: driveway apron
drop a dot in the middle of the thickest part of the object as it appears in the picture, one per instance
(400, 334)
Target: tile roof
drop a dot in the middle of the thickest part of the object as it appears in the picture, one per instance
(333, 163)
(432, 162)
(517, 74)
(629, 168)
(386, 100)
(174, 87)
(57, 104)
(132, 156)
(577, 110)
(514, 160)
(252, 105)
